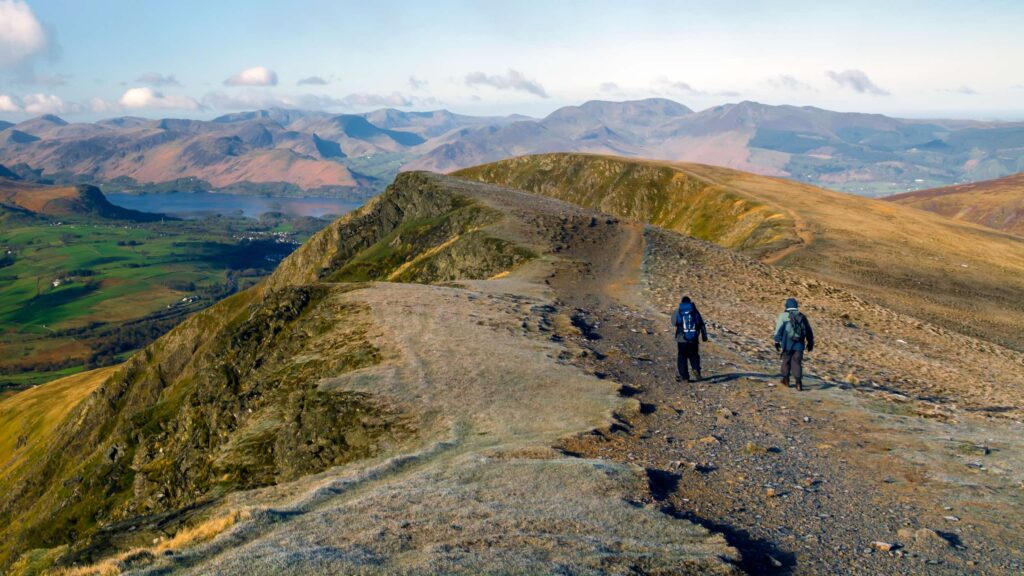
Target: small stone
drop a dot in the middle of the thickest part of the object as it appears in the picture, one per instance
(771, 493)
(952, 518)
(882, 546)
(709, 440)
(774, 562)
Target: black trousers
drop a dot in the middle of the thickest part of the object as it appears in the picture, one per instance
(793, 363)
(688, 351)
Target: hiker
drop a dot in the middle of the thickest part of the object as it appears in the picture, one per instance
(793, 335)
(689, 326)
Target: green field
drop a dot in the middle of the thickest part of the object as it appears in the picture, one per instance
(81, 294)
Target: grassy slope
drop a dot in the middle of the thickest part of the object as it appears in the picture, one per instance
(28, 420)
(996, 203)
(958, 275)
(238, 381)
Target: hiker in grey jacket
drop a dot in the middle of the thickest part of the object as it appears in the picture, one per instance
(793, 335)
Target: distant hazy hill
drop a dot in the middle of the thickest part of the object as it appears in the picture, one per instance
(317, 153)
(957, 275)
(996, 203)
(869, 154)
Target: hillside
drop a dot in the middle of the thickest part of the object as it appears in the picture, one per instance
(960, 276)
(301, 152)
(308, 371)
(996, 203)
(463, 378)
(65, 201)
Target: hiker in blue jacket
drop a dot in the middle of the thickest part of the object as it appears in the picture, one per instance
(793, 335)
(689, 326)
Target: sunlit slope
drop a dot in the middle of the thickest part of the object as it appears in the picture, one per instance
(358, 362)
(959, 275)
(996, 203)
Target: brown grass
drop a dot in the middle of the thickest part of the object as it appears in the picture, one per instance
(956, 274)
(996, 203)
(136, 557)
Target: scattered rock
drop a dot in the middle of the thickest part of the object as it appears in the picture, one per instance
(882, 546)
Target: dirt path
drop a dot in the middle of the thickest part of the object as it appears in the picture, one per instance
(800, 483)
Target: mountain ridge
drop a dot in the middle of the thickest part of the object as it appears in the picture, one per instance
(959, 275)
(320, 153)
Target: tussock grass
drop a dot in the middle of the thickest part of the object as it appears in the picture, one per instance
(136, 557)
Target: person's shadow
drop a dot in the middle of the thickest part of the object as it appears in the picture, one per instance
(809, 380)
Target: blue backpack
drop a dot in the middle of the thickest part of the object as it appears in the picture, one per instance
(687, 324)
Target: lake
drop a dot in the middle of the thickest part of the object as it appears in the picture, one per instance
(197, 204)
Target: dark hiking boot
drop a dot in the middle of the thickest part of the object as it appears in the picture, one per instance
(784, 382)
(679, 378)
(799, 385)
(698, 377)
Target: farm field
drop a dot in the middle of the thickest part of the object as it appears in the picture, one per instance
(80, 294)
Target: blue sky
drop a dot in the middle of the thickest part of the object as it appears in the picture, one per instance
(101, 58)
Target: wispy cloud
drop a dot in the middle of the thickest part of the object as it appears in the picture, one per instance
(787, 82)
(156, 79)
(255, 100)
(416, 83)
(857, 81)
(255, 76)
(21, 34)
(312, 80)
(676, 87)
(511, 80)
(609, 87)
(964, 89)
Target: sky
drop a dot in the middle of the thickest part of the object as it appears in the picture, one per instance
(86, 60)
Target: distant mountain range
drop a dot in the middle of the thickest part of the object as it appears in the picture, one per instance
(316, 153)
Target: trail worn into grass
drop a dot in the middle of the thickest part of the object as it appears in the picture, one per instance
(869, 457)
(544, 432)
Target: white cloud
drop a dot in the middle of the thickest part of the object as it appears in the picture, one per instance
(21, 34)
(136, 98)
(416, 83)
(47, 104)
(610, 87)
(787, 82)
(312, 80)
(101, 106)
(511, 80)
(9, 104)
(255, 76)
(157, 79)
(857, 81)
